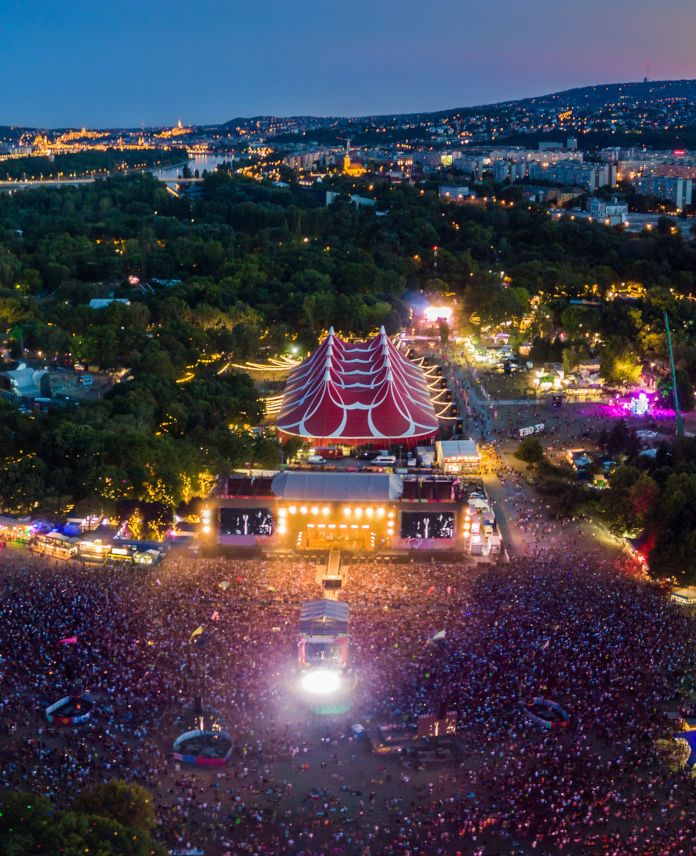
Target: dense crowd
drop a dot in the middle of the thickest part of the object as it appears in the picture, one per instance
(612, 650)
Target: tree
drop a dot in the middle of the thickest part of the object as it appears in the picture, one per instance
(671, 527)
(642, 496)
(292, 447)
(25, 819)
(266, 452)
(31, 826)
(685, 391)
(126, 803)
(616, 506)
(562, 490)
(77, 833)
(617, 438)
(496, 303)
(619, 363)
(572, 357)
(577, 321)
(530, 450)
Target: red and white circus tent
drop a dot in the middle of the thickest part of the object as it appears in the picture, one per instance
(363, 393)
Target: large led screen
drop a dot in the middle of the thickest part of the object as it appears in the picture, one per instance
(427, 524)
(246, 521)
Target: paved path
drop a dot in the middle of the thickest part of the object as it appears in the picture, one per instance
(522, 516)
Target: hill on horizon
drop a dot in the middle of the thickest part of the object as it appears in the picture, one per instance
(594, 97)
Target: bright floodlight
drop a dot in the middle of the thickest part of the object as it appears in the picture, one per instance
(320, 681)
(438, 313)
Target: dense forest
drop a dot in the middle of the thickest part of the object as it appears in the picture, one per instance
(248, 269)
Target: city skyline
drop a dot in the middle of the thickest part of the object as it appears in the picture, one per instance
(159, 65)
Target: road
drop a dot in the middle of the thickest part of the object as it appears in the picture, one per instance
(522, 517)
(89, 179)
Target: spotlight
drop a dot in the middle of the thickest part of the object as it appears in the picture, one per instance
(320, 682)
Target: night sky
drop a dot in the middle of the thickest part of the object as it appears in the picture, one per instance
(131, 62)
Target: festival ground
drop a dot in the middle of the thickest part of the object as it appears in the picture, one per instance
(614, 651)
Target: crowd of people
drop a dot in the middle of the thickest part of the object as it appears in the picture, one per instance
(611, 649)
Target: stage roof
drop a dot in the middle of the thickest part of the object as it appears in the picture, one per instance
(359, 393)
(456, 449)
(337, 486)
(324, 617)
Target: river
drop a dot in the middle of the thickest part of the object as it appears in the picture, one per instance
(197, 162)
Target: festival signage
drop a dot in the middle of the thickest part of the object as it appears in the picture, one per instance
(532, 429)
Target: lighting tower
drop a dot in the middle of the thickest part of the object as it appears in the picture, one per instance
(675, 395)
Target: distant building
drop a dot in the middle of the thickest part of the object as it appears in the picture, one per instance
(518, 171)
(436, 158)
(354, 168)
(676, 190)
(550, 146)
(454, 193)
(358, 201)
(589, 176)
(317, 158)
(636, 163)
(474, 166)
(501, 170)
(612, 213)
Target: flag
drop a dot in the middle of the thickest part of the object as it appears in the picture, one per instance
(215, 616)
(197, 632)
(69, 640)
(438, 636)
(224, 585)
